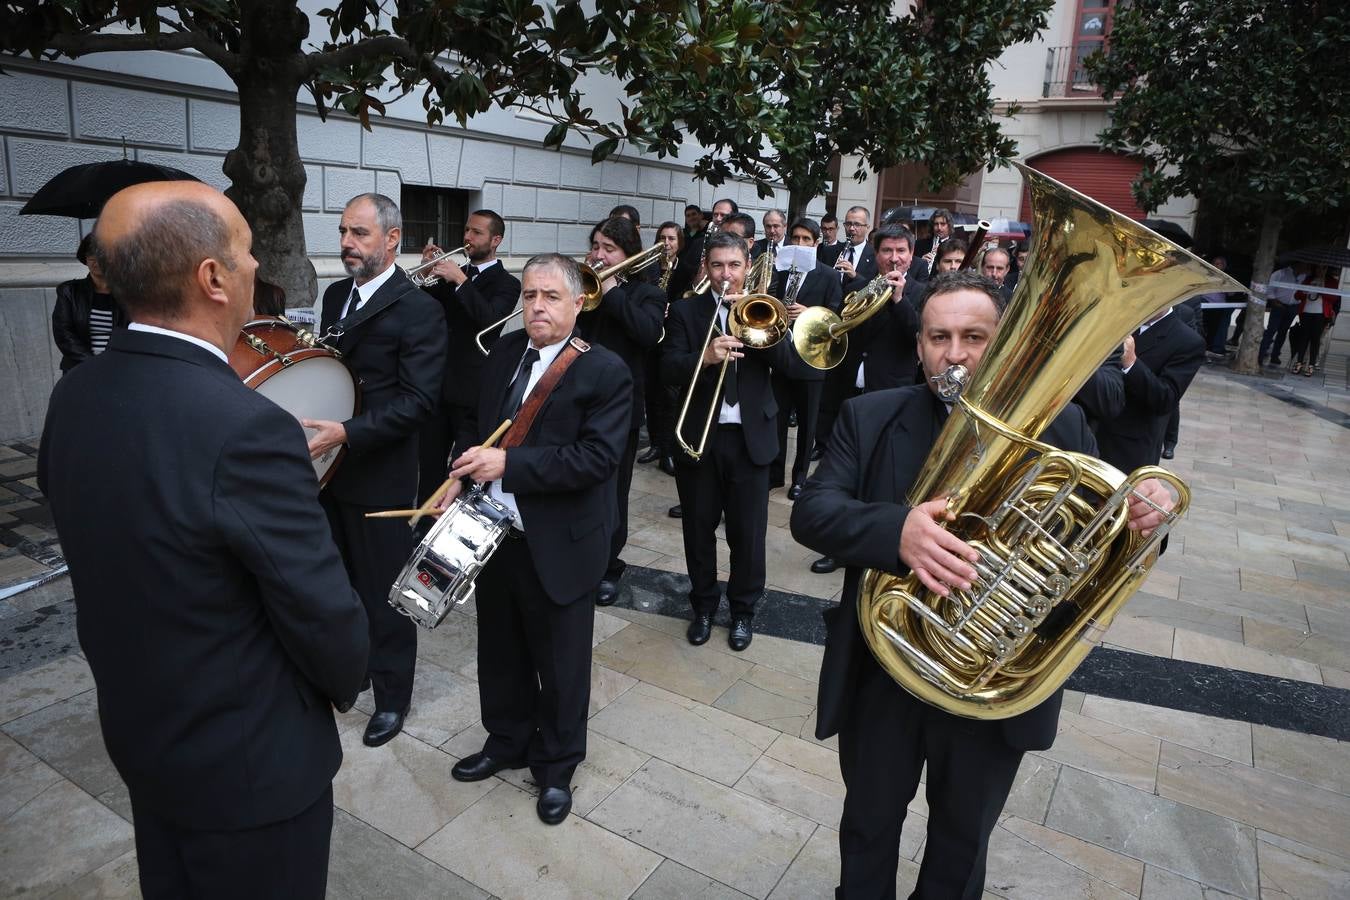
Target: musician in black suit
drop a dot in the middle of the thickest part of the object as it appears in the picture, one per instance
(1159, 361)
(628, 321)
(775, 233)
(534, 595)
(854, 508)
(212, 604)
(472, 298)
(854, 258)
(799, 388)
(391, 335)
(732, 475)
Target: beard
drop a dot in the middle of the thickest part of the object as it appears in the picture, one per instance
(362, 268)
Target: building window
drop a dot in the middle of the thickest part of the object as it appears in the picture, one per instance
(435, 215)
(1090, 31)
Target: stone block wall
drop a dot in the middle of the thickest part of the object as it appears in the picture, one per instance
(53, 117)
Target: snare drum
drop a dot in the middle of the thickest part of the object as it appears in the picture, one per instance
(288, 366)
(441, 572)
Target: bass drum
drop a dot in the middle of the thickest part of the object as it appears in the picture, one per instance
(285, 364)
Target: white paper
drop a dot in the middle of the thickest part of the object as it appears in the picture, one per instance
(804, 257)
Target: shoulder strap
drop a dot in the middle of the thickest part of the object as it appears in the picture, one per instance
(515, 435)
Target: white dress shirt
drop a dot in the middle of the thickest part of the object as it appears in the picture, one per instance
(729, 413)
(191, 339)
(364, 292)
(546, 357)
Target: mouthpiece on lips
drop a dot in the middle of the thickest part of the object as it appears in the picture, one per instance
(951, 383)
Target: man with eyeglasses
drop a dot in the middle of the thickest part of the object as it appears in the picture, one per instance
(854, 259)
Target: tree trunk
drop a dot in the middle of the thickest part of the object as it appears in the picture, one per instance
(266, 174)
(1249, 345)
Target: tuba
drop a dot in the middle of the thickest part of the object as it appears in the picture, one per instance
(1056, 561)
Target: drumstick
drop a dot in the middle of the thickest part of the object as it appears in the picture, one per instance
(436, 495)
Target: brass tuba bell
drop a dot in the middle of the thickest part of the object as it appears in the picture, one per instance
(1056, 559)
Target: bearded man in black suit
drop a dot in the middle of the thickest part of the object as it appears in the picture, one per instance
(534, 595)
(390, 334)
(854, 509)
(211, 603)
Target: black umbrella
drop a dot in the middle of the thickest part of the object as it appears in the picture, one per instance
(1335, 257)
(1170, 230)
(80, 191)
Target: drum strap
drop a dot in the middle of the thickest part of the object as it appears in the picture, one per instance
(515, 435)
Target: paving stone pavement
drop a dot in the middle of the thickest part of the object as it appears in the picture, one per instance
(704, 778)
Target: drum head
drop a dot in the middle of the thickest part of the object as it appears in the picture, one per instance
(319, 387)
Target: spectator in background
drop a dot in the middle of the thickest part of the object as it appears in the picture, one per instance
(85, 313)
(1315, 313)
(1215, 320)
(1282, 304)
(994, 265)
(628, 212)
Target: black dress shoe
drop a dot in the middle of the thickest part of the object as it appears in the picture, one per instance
(792, 419)
(382, 728)
(667, 465)
(477, 766)
(607, 593)
(554, 805)
(675, 512)
(1168, 453)
(741, 633)
(817, 452)
(700, 629)
(824, 566)
(794, 492)
(650, 455)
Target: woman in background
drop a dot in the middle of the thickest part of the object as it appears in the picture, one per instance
(85, 313)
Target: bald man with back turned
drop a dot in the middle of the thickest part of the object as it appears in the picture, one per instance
(210, 600)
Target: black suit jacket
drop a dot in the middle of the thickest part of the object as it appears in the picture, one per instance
(562, 476)
(1168, 355)
(820, 287)
(853, 509)
(210, 599)
(889, 341)
(469, 309)
(686, 326)
(865, 266)
(628, 321)
(759, 246)
(398, 352)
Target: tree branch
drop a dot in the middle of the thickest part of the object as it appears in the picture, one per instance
(387, 45)
(75, 45)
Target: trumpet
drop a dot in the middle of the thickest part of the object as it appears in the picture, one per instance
(592, 283)
(422, 276)
(758, 321)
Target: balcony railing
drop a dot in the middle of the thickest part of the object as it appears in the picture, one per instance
(1065, 75)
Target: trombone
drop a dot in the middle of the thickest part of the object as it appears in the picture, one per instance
(820, 335)
(758, 321)
(422, 276)
(591, 286)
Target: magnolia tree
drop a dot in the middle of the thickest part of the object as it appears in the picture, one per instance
(1245, 103)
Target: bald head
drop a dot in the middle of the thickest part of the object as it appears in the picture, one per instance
(171, 249)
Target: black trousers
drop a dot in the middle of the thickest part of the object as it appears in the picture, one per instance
(724, 481)
(804, 397)
(433, 448)
(287, 860)
(1173, 427)
(374, 551)
(622, 484)
(534, 667)
(883, 746)
(839, 386)
(660, 406)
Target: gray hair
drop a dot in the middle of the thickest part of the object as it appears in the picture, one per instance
(563, 265)
(775, 212)
(862, 209)
(149, 268)
(386, 210)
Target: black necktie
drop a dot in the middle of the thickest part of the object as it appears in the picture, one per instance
(731, 393)
(516, 395)
(470, 271)
(848, 253)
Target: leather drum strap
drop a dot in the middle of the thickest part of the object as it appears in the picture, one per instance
(520, 426)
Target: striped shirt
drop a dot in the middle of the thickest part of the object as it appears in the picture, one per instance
(100, 322)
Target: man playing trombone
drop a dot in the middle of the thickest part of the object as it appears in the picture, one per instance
(728, 431)
(628, 320)
(473, 297)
